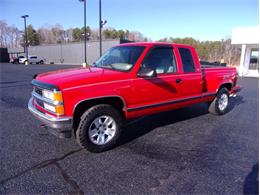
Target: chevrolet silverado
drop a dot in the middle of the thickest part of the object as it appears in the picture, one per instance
(130, 80)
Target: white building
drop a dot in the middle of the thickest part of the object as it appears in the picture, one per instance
(248, 38)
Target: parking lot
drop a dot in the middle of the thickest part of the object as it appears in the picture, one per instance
(181, 151)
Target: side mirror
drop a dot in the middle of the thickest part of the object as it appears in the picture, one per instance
(146, 72)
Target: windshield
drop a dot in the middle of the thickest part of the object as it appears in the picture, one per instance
(121, 58)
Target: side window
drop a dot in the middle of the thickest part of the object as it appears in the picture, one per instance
(187, 60)
(160, 59)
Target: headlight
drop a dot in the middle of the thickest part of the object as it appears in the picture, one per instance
(48, 94)
(49, 107)
(56, 103)
(55, 96)
(59, 109)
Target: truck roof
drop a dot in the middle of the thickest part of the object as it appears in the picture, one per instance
(154, 44)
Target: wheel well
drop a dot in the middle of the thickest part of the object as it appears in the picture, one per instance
(226, 85)
(116, 102)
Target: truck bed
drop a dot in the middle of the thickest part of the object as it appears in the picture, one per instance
(213, 76)
(217, 68)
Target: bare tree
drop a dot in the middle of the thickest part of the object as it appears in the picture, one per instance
(69, 36)
(10, 36)
(57, 33)
(3, 34)
(51, 34)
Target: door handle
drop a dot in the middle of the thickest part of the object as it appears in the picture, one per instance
(178, 80)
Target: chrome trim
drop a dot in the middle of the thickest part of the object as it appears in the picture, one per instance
(46, 108)
(54, 103)
(44, 116)
(223, 102)
(51, 90)
(100, 131)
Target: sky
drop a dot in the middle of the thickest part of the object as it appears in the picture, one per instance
(156, 19)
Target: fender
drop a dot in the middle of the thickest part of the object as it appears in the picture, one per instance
(225, 83)
(101, 97)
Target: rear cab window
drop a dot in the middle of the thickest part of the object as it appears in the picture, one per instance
(187, 60)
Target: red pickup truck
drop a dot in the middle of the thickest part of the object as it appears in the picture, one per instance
(128, 81)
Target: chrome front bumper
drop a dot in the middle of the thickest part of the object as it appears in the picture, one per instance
(59, 126)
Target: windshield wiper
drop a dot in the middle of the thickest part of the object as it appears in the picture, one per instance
(106, 65)
(95, 65)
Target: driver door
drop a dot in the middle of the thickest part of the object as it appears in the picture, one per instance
(153, 91)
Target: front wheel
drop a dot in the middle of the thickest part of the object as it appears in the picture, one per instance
(100, 128)
(220, 104)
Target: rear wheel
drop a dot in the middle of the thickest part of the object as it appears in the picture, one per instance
(220, 104)
(100, 128)
(41, 62)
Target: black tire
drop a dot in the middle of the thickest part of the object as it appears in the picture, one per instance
(215, 105)
(87, 120)
(41, 62)
(25, 61)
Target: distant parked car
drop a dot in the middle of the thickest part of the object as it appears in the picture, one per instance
(31, 60)
(15, 60)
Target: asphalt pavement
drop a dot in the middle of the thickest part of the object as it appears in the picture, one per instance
(181, 151)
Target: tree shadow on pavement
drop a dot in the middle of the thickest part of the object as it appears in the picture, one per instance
(251, 182)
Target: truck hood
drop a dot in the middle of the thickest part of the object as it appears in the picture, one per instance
(68, 78)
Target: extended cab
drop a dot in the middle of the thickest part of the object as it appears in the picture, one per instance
(128, 81)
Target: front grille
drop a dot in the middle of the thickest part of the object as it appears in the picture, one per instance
(39, 102)
(46, 104)
(38, 90)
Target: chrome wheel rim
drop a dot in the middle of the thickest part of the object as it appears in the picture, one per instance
(102, 130)
(223, 102)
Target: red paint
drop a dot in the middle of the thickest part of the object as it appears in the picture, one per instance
(80, 84)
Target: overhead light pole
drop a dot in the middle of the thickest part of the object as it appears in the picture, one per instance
(85, 33)
(25, 36)
(101, 24)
